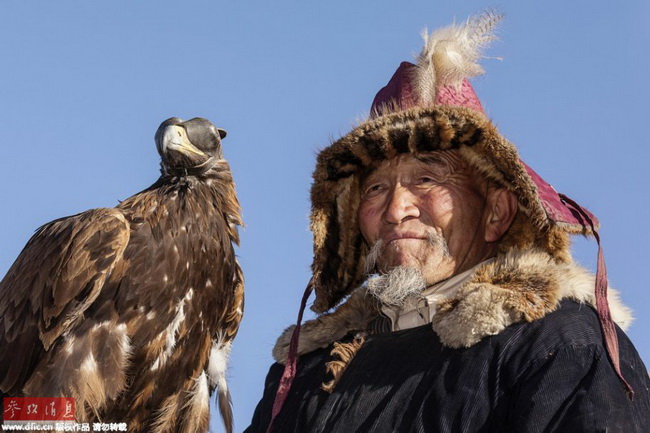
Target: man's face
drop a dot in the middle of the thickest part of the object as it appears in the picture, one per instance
(429, 215)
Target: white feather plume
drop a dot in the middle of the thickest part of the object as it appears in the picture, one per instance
(451, 54)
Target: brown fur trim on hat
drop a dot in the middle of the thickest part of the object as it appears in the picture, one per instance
(339, 249)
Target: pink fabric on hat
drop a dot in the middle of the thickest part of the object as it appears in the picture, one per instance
(398, 93)
(557, 209)
(466, 97)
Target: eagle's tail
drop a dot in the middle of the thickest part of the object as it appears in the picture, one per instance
(218, 365)
(225, 405)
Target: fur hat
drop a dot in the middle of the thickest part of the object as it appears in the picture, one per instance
(428, 107)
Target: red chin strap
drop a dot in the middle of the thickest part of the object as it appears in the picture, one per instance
(290, 366)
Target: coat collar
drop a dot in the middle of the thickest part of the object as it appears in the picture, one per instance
(420, 311)
(518, 286)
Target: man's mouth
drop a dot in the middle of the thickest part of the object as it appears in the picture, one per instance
(400, 236)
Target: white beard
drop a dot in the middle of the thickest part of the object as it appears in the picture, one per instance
(401, 283)
(396, 286)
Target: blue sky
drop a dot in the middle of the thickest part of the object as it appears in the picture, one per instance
(86, 84)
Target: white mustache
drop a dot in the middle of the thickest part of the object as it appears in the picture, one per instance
(377, 249)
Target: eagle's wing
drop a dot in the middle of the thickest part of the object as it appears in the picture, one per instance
(226, 336)
(55, 278)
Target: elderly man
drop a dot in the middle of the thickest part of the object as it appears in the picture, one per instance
(463, 310)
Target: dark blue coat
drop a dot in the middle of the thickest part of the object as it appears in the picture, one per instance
(550, 375)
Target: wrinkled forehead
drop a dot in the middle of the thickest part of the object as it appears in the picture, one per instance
(442, 162)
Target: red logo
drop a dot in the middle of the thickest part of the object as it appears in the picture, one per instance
(38, 409)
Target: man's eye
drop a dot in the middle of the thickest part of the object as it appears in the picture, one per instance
(424, 180)
(373, 189)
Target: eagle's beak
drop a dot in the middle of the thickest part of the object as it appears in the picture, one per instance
(176, 138)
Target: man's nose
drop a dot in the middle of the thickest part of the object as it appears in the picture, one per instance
(401, 205)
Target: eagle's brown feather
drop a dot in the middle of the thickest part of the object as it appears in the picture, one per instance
(56, 277)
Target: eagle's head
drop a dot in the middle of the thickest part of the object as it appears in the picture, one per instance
(188, 147)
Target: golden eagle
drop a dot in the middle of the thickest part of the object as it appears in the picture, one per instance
(132, 310)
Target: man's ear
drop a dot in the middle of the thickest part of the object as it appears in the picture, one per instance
(501, 210)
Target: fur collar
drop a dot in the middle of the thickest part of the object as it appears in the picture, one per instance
(518, 286)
